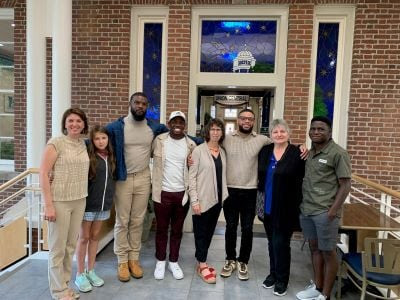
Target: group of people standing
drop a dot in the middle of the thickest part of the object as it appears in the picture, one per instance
(80, 182)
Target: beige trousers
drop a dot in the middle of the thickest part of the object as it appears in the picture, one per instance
(62, 238)
(131, 198)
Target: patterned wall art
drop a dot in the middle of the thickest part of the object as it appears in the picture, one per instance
(152, 59)
(325, 76)
(239, 46)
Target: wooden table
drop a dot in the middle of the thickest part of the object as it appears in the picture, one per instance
(364, 220)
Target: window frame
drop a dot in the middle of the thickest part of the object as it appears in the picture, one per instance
(276, 80)
(7, 164)
(344, 15)
(139, 17)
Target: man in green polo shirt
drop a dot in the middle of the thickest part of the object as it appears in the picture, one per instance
(326, 185)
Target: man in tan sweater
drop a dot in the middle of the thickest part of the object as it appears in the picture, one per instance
(242, 148)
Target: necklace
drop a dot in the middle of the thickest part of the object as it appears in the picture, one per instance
(215, 150)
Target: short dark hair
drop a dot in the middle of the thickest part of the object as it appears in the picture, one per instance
(138, 94)
(322, 119)
(207, 129)
(246, 110)
(76, 111)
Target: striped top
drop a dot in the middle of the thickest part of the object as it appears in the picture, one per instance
(242, 159)
(70, 171)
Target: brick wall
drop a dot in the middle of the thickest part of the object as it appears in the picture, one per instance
(374, 114)
(49, 43)
(298, 68)
(20, 85)
(100, 71)
(100, 58)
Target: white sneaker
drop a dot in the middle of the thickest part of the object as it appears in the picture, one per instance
(159, 271)
(309, 293)
(176, 270)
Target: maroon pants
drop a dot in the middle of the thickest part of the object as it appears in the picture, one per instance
(169, 211)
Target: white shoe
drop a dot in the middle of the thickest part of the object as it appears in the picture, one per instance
(309, 293)
(159, 271)
(176, 270)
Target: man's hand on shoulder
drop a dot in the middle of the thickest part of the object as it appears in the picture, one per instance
(303, 152)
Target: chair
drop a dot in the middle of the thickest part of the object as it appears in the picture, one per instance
(378, 265)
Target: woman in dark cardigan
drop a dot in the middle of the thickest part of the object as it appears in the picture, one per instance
(280, 177)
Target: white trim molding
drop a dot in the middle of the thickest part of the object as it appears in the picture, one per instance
(139, 17)
(274, 80)
(344, 15)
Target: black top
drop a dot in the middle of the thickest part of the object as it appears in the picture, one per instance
(218, 173)
(286, 187)
(101, 188)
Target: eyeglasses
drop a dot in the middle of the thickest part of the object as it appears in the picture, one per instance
(250, 119)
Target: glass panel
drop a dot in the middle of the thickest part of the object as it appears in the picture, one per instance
(324, 96)
(152, 52)
(7, 89)
(239, 46)
(230, 112)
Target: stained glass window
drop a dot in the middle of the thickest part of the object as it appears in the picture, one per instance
(152, 58)
(238, 46)
(324, 96)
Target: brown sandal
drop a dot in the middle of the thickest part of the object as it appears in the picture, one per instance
(209, 278)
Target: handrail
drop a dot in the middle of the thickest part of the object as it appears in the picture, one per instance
(19, 177)
(19, 192)
(376, 186)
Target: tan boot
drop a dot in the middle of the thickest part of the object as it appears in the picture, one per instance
(135, 269)
(123, 272)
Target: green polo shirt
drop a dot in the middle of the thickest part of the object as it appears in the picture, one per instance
(321, 179)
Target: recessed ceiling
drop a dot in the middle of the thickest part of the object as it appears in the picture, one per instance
(7, 38)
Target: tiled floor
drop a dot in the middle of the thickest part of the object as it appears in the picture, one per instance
(30, 280)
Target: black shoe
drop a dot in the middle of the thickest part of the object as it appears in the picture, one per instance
(280, 289)
(269, 282)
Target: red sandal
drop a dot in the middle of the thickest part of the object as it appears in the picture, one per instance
(209, 278)
(212, 270)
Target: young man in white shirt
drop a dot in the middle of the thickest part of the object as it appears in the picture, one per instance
(169, 192)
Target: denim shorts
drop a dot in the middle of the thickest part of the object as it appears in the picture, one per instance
(96, 215)
(319, 227)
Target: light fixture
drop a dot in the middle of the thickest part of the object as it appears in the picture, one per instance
(1, 45)
(12, 25)
(231, 86)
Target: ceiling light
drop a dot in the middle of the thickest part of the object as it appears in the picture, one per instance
(12, 25)
(1, 45)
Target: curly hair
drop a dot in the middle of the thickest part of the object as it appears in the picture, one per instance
(207, 128)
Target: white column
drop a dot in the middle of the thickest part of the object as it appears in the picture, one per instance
(36, 81)
(61, 73)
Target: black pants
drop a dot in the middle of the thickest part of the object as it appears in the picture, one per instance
(203, 229)
(279, 251)
(240, 203)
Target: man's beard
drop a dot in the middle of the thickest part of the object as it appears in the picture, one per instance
(136, 116)
(245, 131)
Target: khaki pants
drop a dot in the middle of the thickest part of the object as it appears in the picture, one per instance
(131, 198)
(62, 238)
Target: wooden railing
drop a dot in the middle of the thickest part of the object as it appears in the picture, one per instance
(372, 193)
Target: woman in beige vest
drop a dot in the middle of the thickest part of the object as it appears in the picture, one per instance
(65, 159)
(207, 190)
